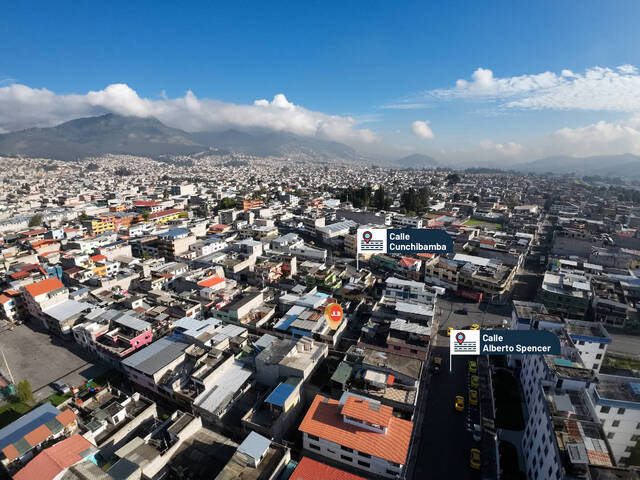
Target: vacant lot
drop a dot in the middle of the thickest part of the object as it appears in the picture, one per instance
(32, 354)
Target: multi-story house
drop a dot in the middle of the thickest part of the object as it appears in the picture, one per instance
(359, 432)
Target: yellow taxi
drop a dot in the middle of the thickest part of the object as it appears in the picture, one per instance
(473, 397)
(474, 459)
(475, 326)
(473, 367)
(449, 330)
(459, 403)
(475, 381)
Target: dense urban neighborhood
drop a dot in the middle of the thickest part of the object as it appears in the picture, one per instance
(164, 318)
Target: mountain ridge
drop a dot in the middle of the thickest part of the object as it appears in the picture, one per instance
(147, 136)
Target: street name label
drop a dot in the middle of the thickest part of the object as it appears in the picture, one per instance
(504, 342)
(404, 240)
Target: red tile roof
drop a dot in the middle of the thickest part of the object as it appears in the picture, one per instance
(49, 463)
(19, 275)
(98, 258)
(66, 417)
(407, 261)
(4, 299)
(599, 458)
(145, 203)
(45, 286)
(210, 282)
(361, 409)
(324, 420)
(308, 469)
(10, 452)
(39, 435)
(164, 213)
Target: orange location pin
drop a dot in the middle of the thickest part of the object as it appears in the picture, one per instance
(333, 314)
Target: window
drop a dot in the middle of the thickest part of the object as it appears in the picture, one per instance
(610, 435)
(635, 438)
(364, 464)
(365, 455)
(598, 356)
(395, 347)
(346, 449)
(628, 449)
(346, 458)
(596, 365)
(601, 347)
(621, 411)
(314, 446)
(615, 423)
(605, 410)
(312, 437)
(391, 472)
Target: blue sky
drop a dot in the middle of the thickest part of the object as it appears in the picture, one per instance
(341, 65)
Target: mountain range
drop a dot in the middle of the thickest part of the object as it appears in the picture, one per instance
(417, 160)
(110, 133)
(624, 166)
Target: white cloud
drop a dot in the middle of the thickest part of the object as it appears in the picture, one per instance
(509, 149)
(422, 129)
(600, 138)
(23, 107)
(596, 89)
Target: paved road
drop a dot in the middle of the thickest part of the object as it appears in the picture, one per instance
(625, 344)
(445, 441)
(449, 310)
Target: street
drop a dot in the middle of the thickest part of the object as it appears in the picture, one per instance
(445, 439)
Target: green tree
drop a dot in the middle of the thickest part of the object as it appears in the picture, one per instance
(145, 215)
(453, 178)
(35, 221)
(227, 202)
(83, 216)
(23, 389)
(381, 200)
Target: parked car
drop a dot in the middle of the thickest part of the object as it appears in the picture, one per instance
(437, 364)
(474, 459)
(459, 404)
(61, 387)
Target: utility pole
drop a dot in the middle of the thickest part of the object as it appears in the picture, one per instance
(7, 364)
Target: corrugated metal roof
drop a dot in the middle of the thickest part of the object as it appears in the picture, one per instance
(157, 355)
(254, 446)
(228, 382)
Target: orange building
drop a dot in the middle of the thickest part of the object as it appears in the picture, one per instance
(247, 204)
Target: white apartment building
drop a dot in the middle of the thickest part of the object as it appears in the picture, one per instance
(616, 401)
(407, 222)
(408, 291)
(591, 340)
(39, 296)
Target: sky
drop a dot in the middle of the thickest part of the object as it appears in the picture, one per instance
(497, 81)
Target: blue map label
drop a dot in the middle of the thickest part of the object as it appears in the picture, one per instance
(404, 240)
